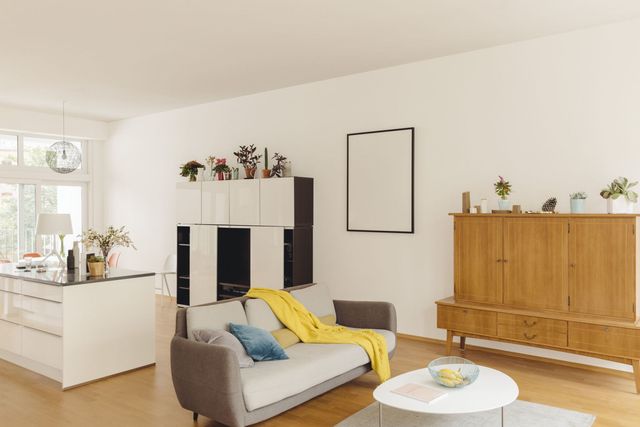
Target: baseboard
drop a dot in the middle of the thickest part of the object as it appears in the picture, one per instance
(523, 356)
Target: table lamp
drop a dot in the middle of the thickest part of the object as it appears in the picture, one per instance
(56, 225)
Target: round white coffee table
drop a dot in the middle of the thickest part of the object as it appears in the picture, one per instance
(492, 390)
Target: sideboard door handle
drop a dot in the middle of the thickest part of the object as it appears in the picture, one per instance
(530, 337)
(527, 324)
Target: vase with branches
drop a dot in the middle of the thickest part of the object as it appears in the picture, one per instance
(503, 189)
(248, 158)
(279, 165)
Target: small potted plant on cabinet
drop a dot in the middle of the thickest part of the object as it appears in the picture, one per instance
(96, 266)
(619, 196)
(503, 189)
(279, 166)
(266, 173)
(221, 169)
(248, 158)
(190, 169)
(578, 201)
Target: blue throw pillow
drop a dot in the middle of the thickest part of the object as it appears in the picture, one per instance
(260, 344)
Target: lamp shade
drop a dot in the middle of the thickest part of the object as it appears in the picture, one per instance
(53, 224)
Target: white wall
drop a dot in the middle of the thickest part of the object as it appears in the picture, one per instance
(554, 115)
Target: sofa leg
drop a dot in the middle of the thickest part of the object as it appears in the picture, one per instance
(195, 416)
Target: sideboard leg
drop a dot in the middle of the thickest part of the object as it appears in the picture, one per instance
(463, 342)
(449, 343)
(636, 373)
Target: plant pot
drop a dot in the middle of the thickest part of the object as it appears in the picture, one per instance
(577, 205)
(504, 204)
(96, 269)
(249, 173)
(266, 173)
(619, 206)
(193, 178)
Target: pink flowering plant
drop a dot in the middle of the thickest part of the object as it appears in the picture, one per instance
(502, 188)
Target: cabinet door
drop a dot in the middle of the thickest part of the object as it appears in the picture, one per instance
(188, 203)
(267, 257)
(602, 267)
(535, 263)
(203, 260)
(244, 199)
(277, 198)
(477, 259)
(215, 202)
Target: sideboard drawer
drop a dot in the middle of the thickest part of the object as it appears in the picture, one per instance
(610, 340)
(10, 285)
(41, 314)
(10, 337)
(532, 329)
(42, 347)
(10, 306)
(39, 290)
(467, 320)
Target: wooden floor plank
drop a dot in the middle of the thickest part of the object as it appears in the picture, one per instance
(146, 397)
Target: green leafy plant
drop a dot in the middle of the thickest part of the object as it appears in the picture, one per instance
(108, 240)
(247, 156)
(620, 187)
(94, 258)
(221, 166)
(190, 169)
(578, 195)
(502, 188)
(278, 167)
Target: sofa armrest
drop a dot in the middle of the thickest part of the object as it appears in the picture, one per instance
(207, 380)
(366, 314)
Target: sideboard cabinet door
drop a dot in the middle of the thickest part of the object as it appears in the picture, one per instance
(478, 259)
(277, 198)
(215, 202)
(188, 203)
(535, 263)
(244, 200)
(602, 255)
(203, 263)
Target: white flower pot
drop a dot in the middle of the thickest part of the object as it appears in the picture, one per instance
(619, 206)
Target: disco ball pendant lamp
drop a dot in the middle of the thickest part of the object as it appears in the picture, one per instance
(63, 157)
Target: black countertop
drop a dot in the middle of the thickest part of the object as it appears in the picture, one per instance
(60, 277)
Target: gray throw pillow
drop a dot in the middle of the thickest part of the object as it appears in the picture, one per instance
(222, 337)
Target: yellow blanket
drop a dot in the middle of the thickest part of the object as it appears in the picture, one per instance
(309, 329)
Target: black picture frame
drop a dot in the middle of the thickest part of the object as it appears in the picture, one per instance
(412, 180)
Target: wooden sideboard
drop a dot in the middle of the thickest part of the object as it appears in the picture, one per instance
(559, 281)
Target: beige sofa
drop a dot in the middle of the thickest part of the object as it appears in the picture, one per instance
(209, 381)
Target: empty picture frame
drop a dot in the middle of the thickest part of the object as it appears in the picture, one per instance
(380, 181)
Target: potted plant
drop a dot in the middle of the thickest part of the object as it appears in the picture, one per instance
(279, 166)
(577, 201)
(108, 240)
(503, 189)
(619, 196)
(266, 173)
(96, 266)
(248, 158)
(211, 162)
(190, 169)
(221, 168)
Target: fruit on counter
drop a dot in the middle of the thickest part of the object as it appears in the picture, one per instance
(450, 378)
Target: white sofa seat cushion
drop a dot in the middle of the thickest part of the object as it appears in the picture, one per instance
(316, 299)
(308, 365)
(215, 316)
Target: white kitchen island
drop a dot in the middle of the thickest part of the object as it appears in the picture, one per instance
(76, 329)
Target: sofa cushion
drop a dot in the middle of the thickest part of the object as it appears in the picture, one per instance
(215, 316)
(260, 344)
(316, 299)
(308, 365)
(224, 338)
(259, 314)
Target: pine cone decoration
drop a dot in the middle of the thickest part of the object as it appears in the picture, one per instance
(550, 205)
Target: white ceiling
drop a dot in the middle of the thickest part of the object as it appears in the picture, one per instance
(111, 59)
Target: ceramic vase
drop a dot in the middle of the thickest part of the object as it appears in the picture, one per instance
(504, 204)
(619, 206)
(577, 205)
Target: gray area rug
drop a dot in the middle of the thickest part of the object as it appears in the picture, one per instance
(518, 414)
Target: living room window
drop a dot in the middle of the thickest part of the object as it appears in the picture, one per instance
(28, 187)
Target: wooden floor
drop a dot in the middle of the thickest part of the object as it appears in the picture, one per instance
(146, 397)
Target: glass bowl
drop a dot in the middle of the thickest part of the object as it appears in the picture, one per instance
(453, 371)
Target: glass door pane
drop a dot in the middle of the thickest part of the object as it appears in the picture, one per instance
(62, 199)
(8, 150)
(8, 222)
(27, 219)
